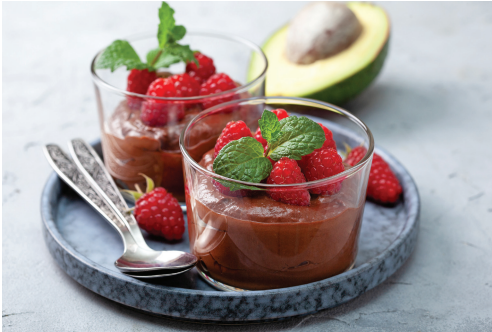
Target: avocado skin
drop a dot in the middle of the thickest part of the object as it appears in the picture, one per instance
(347, 89)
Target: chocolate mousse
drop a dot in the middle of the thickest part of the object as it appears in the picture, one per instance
(130, 147)
(255, 242)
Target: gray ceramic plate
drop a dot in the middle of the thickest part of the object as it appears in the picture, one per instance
(85, 246)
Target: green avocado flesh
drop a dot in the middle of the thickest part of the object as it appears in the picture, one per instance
(335, 79)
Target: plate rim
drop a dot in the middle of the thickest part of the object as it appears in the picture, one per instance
(411, 226)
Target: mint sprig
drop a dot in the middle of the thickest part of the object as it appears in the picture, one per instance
(298, 136)
(243, 160)
(246, 160)
(269, 126)
(120, 53)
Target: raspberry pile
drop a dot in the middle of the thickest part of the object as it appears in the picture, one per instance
(321, 163)
(201, 80)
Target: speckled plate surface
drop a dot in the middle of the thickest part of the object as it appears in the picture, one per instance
(85, 246)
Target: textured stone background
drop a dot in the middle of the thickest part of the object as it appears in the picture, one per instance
(431, 107)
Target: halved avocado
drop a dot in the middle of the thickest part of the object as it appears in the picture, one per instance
(337, 78)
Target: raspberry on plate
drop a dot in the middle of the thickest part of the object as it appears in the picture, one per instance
(217, 83)
(286, 171)
(383, 185)
(329, 143)
(138, 81)
(321, 164)
(234, 130)
(158, 212)
(185, 85)
(156, 113)
(204, 71)
(281, 114)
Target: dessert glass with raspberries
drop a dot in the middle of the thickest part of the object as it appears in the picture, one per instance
(143, 112)
(297, 218)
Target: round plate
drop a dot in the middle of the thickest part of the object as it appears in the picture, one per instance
(85, 246)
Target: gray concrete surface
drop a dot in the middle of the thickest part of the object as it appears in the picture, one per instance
(431, 107)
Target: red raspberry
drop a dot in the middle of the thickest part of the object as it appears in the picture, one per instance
(321, 164)
(281, 114)
(383, 185)
(329, 143)
(138, 82)
(215, 84)
(185, 85)
(286, 171)
(156, 113)
(158, 212)
(356, 155)
(204, 71)
(234, 130)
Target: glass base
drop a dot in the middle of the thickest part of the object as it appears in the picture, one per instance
(227, 288)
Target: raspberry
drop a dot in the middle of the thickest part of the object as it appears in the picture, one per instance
(158, 212)
(329, 143)
(215, 84)
(234, 130)
(281, 114)
(355, 155)
(286, 171)
(204, 71)
(156, 113)
(185, 85)
(383, 185)
(321, 164)
(138, 82)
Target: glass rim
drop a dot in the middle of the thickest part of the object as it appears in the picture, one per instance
(300, 101)
(102, 83)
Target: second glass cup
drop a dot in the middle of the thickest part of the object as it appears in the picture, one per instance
(130, 147)
(246, 239)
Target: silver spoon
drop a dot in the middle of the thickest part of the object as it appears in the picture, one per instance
(137, 256)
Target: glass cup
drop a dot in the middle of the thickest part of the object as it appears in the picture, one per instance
(130, 147)
(245, 240)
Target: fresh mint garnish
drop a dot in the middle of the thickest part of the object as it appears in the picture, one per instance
(164, 60)
(120, 53)
(298, 137)
(269, 126)
(243, 160)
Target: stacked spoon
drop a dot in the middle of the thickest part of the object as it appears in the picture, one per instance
(87, 175)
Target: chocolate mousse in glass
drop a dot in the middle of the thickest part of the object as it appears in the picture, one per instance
(130, 147)
(247, 240)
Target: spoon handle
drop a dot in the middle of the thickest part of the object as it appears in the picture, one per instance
(92, 167)
(68, 172)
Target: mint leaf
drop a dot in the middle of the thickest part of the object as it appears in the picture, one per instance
(178, 32)
(166, 24)
(298, 137)
(164, 61)
(269, 126)
(119, 53)
(243, 160)
(233, 186)
(184, 52)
